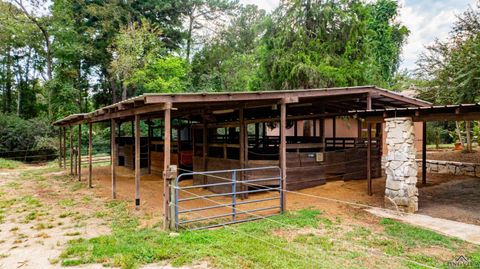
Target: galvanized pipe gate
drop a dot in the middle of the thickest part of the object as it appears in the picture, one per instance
(241, 187)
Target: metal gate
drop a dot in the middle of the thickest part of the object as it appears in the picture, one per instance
(227, 197)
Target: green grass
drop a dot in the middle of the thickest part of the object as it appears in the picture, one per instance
(9, 164)
(259, 244)
(416, 237)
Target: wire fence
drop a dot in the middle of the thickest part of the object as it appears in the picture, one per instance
(289, 226)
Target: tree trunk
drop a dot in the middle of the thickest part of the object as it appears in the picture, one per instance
(189, 35)
(8, 84)
(468, 129)
(459, 133)
(124, 91)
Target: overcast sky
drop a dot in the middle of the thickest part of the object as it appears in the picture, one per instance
(426, 20)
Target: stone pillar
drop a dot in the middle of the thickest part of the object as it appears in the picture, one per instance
(400, 167)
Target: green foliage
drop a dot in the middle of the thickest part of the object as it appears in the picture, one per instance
(451, 66)
(164, 74)
(414, 236)
(20, 134)
(8, 164)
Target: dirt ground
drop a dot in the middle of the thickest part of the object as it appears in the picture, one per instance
(455, 198)
(452, 155)
(49, 209)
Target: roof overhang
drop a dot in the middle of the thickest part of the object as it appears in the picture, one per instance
(153, 104)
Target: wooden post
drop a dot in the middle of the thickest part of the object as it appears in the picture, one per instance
(179, 146)
(242, 146)
(71, 150)
(334, 129)
(149, 142)
(113, 150)
(166, 166)
(137, 161)
(283, 152)
(321, 128)
(64, 131)
(79, 152)
(369, 158)
(257, 134)
(369, 148)
(90, 148)
(424, 153)
(205, 148)
(60, 147)
(295, 129)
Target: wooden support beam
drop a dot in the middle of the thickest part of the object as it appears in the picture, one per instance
(166, 165)
(179, 145)
(242, 145)
(204, 148)
(79, 152)
(369, 159)
(334, 127)
(137, 161)
(149, 142)
(283, 154)
(424, 153)
(64, 131)
(90, 149)
(60, 147)
(71, 151)
(113, 150)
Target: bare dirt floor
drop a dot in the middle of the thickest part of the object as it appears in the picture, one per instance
(444, 196)
(452, 155)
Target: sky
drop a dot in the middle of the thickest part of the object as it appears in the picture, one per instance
(426, 20)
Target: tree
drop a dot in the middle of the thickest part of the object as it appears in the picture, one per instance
(130, 50)
(230, 61)
(451, 66)
(332, 43)
(203, 17)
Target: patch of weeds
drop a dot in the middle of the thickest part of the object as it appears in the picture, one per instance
(66, 214)
(77, 186)
(30, 216)
(21, 236)
(358, 233)
(86, 199)
(389, 246)
(30, 201)
(128, 246)
(72, 234)
(14, 185)
(7, 203)
(318, 241)
(9, 164)
(42, 235)
(14, 229)
(100, 214)
(422, 259)
(40, 226)
(66, 202)
(413, 236)
(4, 255)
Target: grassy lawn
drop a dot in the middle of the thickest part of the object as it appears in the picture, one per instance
(9, 164)
(302, 239)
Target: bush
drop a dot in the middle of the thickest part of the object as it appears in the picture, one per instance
(17, 134)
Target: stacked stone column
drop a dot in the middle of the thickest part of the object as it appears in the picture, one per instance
(401, 167)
